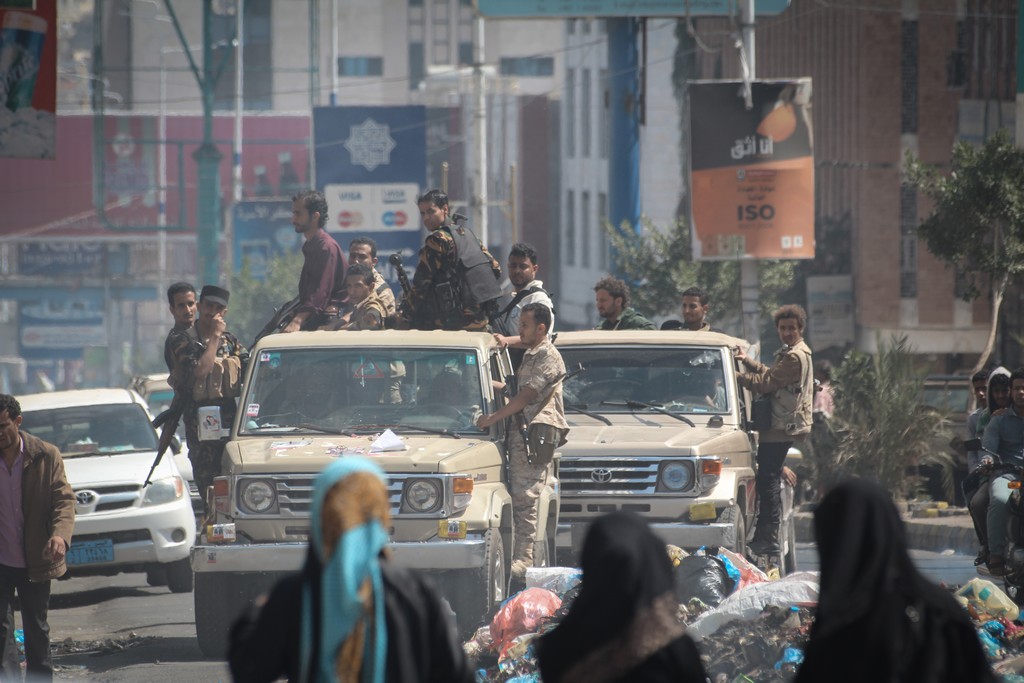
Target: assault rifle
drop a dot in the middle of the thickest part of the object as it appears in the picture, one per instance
(282, 316)
(513, 385)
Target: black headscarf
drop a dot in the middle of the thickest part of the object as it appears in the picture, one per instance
(878, 618)
(624, 624)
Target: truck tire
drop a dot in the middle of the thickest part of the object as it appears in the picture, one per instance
(179, 575)
(734, 515)
(212, 614)
(475, 591)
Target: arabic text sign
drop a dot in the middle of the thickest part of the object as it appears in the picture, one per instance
(621, 8)
(752, 170)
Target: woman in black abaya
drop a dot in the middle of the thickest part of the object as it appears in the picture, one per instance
(624, 624)
(878, 618)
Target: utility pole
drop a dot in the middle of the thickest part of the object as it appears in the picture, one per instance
(478, 202)
(750, 287)
(1019, 110)
(623, 122)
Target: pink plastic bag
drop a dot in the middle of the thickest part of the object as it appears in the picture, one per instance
(522, 613)
(749, 573)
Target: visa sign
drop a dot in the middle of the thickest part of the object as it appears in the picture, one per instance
(372, 208)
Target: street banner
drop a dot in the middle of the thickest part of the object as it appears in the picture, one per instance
(262, 231)
(51, 329)
(830, 311)
(751, 170)
(28, 80)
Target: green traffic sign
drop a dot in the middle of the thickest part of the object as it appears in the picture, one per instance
(550, 9)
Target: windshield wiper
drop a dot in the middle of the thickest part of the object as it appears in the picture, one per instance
(633, 405)
(428, 430)
(581, 408)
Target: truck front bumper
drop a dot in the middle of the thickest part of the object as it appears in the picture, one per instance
(288, 557)
(683, 534)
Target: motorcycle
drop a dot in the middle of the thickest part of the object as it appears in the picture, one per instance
(1013, 578)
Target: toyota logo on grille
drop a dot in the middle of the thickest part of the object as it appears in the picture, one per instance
(601, 475)
(85, 497)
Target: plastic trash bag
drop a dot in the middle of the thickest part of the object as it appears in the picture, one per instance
(558, 580)
(749, 572)
(987, 597)
(703, 577)
(800, 588)
(522, 613)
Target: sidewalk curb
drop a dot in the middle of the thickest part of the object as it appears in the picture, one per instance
(920, 535)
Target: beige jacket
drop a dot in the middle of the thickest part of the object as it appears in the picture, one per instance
(48, 504)
(790, 381)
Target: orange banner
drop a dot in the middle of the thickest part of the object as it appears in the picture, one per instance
(752, 171)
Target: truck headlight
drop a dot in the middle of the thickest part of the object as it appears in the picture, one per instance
(164, 491)
(675, 476)
(257, 496)
(423, 495)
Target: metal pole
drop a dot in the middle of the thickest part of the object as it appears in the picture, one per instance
(208, 158)
(479, 200)
(162, 147)
(239, 101)
(750, 286)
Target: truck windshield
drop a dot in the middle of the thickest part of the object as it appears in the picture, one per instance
(363, 390)
(91, 430)
(681, 379)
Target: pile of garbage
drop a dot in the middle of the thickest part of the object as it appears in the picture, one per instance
(750, 625)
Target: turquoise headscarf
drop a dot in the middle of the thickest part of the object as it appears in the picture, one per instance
(354, 559)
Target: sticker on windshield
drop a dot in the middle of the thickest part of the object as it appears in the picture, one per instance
(470, 359)
(271, 357)
(369, 370)
(252, 410)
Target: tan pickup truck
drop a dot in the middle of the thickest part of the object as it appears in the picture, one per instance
(310, 397)
(659, 426)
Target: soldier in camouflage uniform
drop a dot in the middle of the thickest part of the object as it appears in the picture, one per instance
(425, 307)
(540, 401)
(365, 311)
(196, 351)
(363, 250)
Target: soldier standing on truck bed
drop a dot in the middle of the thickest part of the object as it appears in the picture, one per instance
(540, 400)
(208, 362)
(453, 284)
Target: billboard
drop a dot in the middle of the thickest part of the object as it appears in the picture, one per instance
(751, 170)
(262, 231)
(371, 162)
(548, 9)
(28, 81)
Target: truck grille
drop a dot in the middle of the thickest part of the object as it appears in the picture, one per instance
(587, 476)
(295, 494)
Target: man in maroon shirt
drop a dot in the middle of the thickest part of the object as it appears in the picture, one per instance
(322, 281)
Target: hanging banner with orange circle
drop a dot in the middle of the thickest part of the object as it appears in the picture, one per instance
(751, 170)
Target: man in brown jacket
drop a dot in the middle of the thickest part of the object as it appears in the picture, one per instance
(37, 515)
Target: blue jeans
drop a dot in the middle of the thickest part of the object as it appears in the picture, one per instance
(998, 513)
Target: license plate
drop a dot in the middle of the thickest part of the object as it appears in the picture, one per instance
(702, 512)
(451, 529)
(91, 552)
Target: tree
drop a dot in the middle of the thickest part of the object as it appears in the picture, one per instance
(977, 223)
(660, 266)
(254, 301)
(882, 427)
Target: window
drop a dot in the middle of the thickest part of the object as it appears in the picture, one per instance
(586, 110)
(360, 66)
(257, 72)
(585, 228)
(527, 66)
(602, 114)
(570, 228)
(570, 111)
(441, 48)
(465, 54)
(417, 65)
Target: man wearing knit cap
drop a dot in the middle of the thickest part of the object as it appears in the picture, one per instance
(209, 361)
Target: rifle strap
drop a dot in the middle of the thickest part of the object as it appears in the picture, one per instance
(520, 295)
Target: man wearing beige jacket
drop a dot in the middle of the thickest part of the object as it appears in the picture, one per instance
(37, 515)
